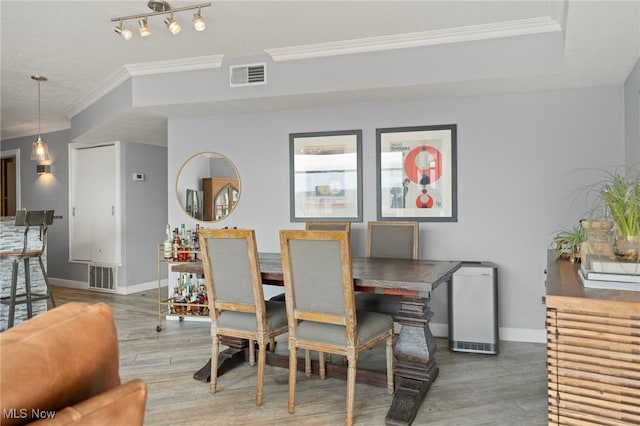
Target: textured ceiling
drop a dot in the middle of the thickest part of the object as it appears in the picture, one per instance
(73, 43)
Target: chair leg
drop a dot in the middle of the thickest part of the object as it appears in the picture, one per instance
(46, 282)
(252, 352)
(307, 362)
(272, 344)
(27, 287)
(215, 348)
(262, 359)
(351, 388)
(390, 363)
(321, 362)
(12, 297)
(293, 366)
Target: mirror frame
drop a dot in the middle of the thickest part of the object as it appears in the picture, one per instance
(210, 154)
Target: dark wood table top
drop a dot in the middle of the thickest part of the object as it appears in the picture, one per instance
(375, 275)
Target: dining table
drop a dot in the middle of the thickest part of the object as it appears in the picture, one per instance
(411, 281)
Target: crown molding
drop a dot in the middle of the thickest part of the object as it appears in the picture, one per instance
(418, 39)
(144, 68)
(175, 65)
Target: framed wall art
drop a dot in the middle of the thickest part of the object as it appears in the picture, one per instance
(326, 176)
(417, 176)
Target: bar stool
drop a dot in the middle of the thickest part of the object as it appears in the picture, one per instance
(32, 218)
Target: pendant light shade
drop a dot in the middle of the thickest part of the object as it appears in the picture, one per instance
(39, 149)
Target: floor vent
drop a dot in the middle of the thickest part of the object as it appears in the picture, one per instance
(481, 347)
(247, 75)
(102, 277)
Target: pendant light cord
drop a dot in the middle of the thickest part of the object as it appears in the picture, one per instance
(39, 79)
(39, 132)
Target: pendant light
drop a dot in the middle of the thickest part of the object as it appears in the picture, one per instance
(39, 149)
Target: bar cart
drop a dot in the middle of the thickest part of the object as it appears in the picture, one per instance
(187, 296)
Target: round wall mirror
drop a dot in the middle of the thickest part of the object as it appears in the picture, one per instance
(208, 186)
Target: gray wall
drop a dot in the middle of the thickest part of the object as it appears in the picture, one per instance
(144, 207)
(49, 192)
(145, 216)
(521, 158)
(632, 118)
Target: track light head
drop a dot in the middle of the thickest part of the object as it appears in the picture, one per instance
(144, 27)
(124, 32)
(198, 21)
(173, 25)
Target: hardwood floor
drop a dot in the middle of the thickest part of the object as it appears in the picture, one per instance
(472, 389)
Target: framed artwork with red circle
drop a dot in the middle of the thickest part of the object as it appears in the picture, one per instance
(417, 177)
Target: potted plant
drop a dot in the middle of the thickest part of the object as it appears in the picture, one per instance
(617, 195)
(568, 243)
(622, 196)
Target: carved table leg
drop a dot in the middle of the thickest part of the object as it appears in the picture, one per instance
(415, 368)
(227, 359)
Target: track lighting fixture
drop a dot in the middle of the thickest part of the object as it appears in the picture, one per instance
(160, 7)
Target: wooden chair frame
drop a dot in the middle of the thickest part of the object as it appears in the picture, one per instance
(294, 315)
(263, 334)
(371, 226)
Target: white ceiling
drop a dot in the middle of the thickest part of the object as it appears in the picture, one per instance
(73, 44)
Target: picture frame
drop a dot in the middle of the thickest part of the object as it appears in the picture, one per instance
(417, 173)
(325, 170)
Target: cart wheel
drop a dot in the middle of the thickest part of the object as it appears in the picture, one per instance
(158, 328)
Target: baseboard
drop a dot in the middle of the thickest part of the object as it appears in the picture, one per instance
(82, 285)
(529, 335)
(141, 287)
(504, 333)
(79, 285)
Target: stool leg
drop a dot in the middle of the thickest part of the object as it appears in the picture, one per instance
(27, 286)
(12, 297)
(46, 282)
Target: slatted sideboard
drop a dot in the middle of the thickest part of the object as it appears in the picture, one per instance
(593, 351)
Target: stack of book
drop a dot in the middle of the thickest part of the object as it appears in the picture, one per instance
(602, 271)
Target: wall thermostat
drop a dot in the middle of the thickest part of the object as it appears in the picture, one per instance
(138, 176)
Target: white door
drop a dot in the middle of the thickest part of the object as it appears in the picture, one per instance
(93, 229)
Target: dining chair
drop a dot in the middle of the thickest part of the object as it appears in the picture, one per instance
(321, 311)
(236, 299)
(322, 226)
(398, 240)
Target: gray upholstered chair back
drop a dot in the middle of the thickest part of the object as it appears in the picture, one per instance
(398, 240)
(317, 276)
(230, 269)
(328, 226)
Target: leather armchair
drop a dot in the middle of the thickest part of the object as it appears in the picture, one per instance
(61, 367)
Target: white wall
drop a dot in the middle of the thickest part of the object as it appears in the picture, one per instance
(520, 159)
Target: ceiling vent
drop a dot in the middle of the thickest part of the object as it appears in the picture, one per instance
(247, 75)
